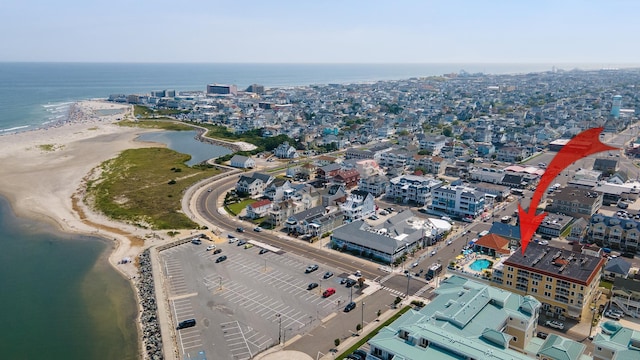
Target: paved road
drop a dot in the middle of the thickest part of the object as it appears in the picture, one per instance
(209, 203)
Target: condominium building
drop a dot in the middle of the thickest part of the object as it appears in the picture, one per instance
(614, 232)
(564, 281)
(412, 189)
(459, 201)
(576, 202)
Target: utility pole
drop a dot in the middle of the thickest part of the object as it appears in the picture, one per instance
(408, 278)
(279, 328)
(362, 319)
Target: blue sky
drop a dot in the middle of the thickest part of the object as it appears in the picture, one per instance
(421, 31)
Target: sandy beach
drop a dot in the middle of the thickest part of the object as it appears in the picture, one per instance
(43, 173)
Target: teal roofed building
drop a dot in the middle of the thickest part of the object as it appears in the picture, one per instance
(471, 320)
(467, 320)
(616, 342)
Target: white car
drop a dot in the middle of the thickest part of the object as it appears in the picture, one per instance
(554, 324)
(211, 247)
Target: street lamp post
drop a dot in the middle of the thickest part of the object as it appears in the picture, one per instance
(362, 318)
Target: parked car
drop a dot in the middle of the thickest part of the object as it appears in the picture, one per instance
(257, 229)
(327, 275)
(357, 355)
(358, 273)
(628, 254)
(311, 268)
(221, 258)
(196, 241)
(312, 286)
(554, 324)
(263, 251)
(543, 242)
(611, 315)
(350, 283)
(350, 306)
(211, 247)
(241, 242)
(248, 246)
(328, 292)
(186, 324)
(542, 335)
(217, 251)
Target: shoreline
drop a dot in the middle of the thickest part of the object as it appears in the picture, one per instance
(45, 172)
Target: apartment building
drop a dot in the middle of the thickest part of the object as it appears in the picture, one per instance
(462, 201)
(376, 184)
(576, 202)
(614, 232)
(412, 189)
(564, 281)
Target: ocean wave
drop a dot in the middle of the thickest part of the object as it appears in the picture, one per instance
(60, 104)
(14, 128)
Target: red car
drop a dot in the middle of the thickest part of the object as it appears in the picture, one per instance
(328, 292)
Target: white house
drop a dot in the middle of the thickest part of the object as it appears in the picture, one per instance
(242, 162)
(259, 209)
(285, 151)
(359, 205)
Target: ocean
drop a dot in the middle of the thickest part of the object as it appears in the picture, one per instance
(60, 298)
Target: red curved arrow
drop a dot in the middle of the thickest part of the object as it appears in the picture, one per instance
(583, 145)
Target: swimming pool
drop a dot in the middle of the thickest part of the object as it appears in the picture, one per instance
(480, 264)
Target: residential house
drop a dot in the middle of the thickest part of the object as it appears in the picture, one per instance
(616, 268)
(554, 224)
(607, 166)
(376, 185)
(333, 195)
(564, 281)
(253, 185)
(259, 209)
(242, 162)
(432, 143)
(512, 154)
(276, 190)
(626, 294)
(488, 175)
(327, 172)
(296, 222)
(359, 205)
(347, 178)
(430, 164)
(285, 151)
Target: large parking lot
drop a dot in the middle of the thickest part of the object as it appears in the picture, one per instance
(246, 303)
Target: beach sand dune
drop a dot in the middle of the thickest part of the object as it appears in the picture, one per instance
(43, 171)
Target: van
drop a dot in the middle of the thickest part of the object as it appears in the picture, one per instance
(186, 324)
(328, 292)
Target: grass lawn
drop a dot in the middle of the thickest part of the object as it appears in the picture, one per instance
(165, 124)
(606, 284)
(238, 207)
(145, 187)
(373, 333)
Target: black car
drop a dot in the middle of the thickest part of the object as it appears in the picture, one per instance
(350, 283)
(241, 242)
(263, 251)
(186, 324)
(629, 255)
(217, 251)
(350, 306)
(240, 230)
(312, 286)
(221, 258)
(327, 275)
(358, 355)
(542, 335)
